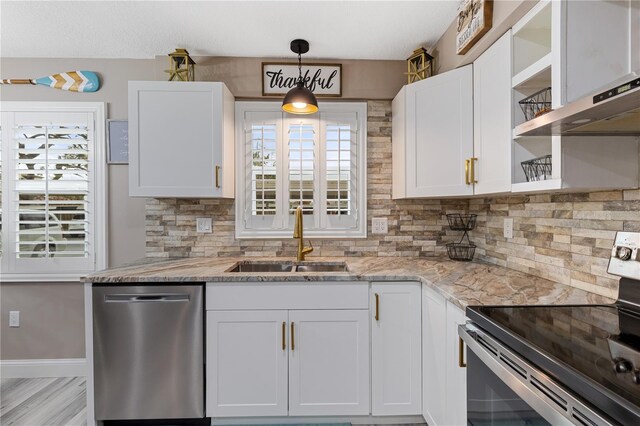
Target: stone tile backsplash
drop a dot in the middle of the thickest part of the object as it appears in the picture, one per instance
(566, 238)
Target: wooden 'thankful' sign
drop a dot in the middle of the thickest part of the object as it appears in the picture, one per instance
(324, 80)
(473, 21)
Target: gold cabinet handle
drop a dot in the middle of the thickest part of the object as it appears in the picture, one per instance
(377, 306)
(284, 334)
(472, 163)
(466, 172)
(293, 337)
(217, 176)
(461, 362)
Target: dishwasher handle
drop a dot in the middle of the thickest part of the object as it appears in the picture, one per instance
(136, 298)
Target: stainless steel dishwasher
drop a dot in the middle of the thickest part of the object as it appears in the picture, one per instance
(148, 352)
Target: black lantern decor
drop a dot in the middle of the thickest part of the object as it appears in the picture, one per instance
(300, 100)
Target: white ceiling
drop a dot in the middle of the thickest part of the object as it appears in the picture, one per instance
(143, 29)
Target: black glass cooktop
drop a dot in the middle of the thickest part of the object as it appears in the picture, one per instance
(592, 350)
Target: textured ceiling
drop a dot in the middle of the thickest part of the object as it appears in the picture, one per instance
(143, 29)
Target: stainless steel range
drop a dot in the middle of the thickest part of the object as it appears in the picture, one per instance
(538, 365)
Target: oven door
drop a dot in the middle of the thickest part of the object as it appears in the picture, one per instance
(502, 389)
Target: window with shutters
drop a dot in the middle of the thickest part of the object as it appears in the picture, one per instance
(285, 161)
(53, 190)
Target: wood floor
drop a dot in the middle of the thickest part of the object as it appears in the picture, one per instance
(49, 401)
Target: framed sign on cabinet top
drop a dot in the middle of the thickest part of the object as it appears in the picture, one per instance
(474, 19)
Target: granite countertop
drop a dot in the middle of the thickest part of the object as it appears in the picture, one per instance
(462, 283)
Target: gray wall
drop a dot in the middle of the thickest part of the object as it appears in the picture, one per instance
(52, 314)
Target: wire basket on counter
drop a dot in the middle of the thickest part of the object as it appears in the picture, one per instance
(537, 169)
(462, 222)
(537, 104)
(461, 250)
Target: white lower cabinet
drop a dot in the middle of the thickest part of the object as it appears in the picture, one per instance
(444, 380)
(246, 363)
(337, 349)
(434, 381)
(329, 362)
(282, 349)
(396, 369)
(456, 372)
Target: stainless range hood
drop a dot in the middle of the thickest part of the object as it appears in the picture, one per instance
(615, 112)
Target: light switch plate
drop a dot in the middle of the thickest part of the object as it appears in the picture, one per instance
(203, 225)
(379, 225)
(508, 227)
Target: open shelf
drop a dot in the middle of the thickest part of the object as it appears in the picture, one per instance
(532, 38)
(542, 185)
(525, 149)
(537, 75)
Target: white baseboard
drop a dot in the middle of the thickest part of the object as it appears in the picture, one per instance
(28, 368)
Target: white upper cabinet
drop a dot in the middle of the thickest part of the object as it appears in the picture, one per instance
(601, 45)
(575, 48)
(452, 132)
(181, 139)
(395, 349)
(492, 119)
(433, 136)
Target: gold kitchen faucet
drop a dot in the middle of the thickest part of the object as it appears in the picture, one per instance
(298, 233)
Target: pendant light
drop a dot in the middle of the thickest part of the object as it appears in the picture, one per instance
(300, 100)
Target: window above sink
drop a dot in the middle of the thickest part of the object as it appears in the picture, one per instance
(317, 162)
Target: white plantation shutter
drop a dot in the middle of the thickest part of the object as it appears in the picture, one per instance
(301, 144)
(316, 161)
(262, 161)
(340, 184)
(50, 209)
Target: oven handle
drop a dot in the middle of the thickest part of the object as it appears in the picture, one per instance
(548, 399)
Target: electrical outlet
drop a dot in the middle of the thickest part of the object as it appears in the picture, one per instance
(14, 318)
(379, 225)
(508, 227)
(203, 225)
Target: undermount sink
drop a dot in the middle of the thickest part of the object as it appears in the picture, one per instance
(260, 266)
(322, 267)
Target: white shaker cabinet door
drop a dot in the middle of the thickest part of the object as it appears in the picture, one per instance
(434, 319)
(246, 368)
(329, 363)
(456, 394)
(396, 365)
(439, 134)
(181, 138)
(492, 118)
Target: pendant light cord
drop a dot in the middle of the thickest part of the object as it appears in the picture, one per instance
(299, 68)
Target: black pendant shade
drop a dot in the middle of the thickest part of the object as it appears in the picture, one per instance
(300, 100)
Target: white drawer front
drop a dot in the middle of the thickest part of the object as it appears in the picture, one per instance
(287, 295)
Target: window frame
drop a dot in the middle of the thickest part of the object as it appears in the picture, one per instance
(281, 224)
(49, 271)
